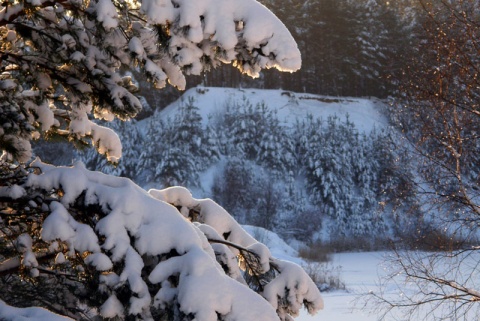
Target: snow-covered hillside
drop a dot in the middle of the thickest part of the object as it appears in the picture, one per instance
(364, 113)
(269, 156)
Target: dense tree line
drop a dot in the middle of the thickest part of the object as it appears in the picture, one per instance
(436, 108)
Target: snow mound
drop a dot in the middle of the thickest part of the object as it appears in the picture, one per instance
(288, 291)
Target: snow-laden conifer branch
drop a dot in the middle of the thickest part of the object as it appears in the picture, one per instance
(79, 49)
(147, 258)
(287, 287)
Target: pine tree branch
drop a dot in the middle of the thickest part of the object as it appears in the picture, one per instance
(251, 269)
(234, 245)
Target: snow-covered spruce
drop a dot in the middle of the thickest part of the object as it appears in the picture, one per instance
(147, 242)
(79, 49)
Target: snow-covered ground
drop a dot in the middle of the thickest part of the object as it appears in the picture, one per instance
(363, 272)
(360, 272)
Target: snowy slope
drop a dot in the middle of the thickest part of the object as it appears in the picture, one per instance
(290, 109)
(364, 113)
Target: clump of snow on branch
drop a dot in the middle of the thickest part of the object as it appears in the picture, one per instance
(13, 192)
(140, 229)
(104, 139)
(237, 28)
(24, 246)
(107, 14)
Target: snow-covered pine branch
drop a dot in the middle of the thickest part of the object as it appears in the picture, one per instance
(62, 61)
(287, 291)
(146, 255)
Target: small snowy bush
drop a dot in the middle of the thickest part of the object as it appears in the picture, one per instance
(325, 275)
